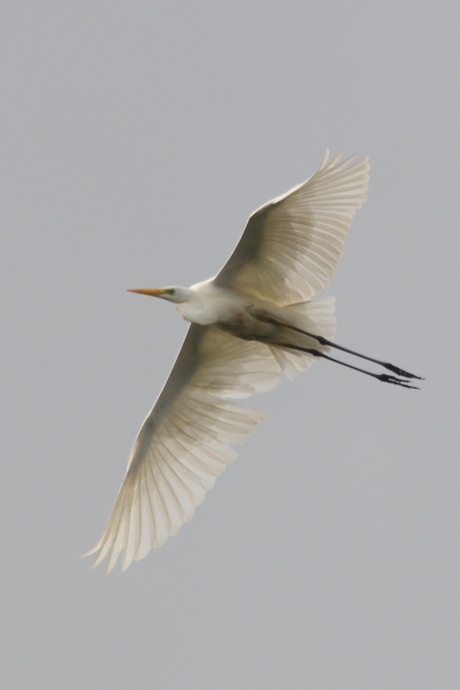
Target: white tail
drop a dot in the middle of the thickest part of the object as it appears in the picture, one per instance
(317, 317)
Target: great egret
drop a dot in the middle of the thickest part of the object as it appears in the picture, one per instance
(252, 321)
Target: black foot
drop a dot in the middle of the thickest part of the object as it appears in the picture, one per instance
(401, 372)
(386, 378)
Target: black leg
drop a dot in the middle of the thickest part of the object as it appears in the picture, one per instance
(324, 341)
(386, 378)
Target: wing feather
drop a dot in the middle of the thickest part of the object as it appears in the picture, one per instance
(291, 246)
(184, 443)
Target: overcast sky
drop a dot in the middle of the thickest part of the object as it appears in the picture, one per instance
(137, 137)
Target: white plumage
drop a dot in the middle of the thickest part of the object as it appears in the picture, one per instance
(241, 338)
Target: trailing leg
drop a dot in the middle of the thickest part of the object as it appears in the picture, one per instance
(266, 316)
(386, 378)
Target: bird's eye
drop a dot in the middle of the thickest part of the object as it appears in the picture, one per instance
(170, 291)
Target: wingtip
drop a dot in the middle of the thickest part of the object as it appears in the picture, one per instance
(330, 163)
(90, 552)
(324, 160)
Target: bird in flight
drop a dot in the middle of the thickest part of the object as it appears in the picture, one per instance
(254, 320)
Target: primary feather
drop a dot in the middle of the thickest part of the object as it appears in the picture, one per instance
(291, 246)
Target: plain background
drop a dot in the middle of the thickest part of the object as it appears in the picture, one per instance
(136, 139)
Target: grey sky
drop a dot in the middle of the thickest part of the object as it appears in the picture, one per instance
(136, 139)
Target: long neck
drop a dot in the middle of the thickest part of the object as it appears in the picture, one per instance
(192, 308)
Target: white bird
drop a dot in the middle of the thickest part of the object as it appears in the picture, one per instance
(252, 321)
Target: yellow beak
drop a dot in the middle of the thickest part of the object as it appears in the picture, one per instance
(153, 292)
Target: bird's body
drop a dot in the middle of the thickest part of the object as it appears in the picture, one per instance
(243, 316)
(209, 304)
(254, 320)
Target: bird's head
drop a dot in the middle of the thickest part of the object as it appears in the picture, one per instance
(172, 294)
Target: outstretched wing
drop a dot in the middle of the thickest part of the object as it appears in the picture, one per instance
(291, 246)
(183, 444)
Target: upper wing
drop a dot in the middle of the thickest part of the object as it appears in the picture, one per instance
(183, 444)
(291, 246)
